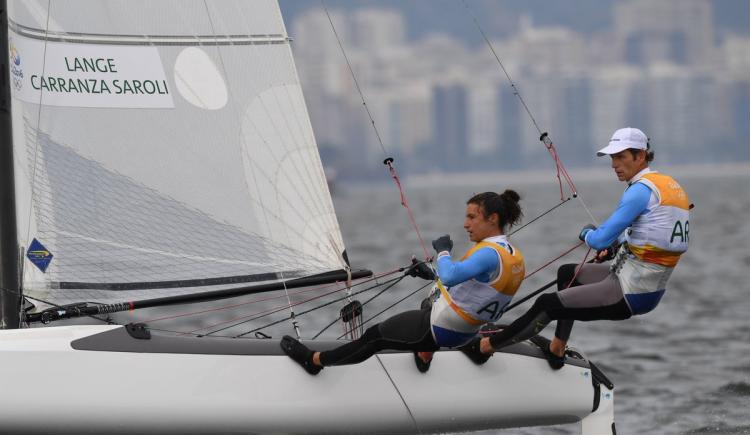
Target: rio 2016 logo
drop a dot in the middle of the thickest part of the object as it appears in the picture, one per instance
(15, 67)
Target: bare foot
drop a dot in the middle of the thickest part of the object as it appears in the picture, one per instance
(316, 359)
(557, 346)
(425, 356)
(485, 346)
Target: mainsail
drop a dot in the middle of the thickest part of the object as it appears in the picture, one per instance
(162, 148)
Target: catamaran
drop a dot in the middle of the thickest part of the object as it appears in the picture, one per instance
(158, 153)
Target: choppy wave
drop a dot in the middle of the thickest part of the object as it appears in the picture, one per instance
(680, 369)
(720, 429)
(735, 389)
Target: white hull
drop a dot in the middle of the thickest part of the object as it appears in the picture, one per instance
(56, 388)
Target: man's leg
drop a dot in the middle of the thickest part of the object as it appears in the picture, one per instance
(566, 278)
(602, 300)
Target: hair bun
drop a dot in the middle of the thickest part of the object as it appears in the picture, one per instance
(511, 195)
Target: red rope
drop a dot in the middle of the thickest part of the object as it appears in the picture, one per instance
(405, 203)
(559, 165)
(580, 266)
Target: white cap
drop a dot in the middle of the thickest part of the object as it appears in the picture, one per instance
(623, 139)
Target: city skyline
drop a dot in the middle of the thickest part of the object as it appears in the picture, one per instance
(444, 105)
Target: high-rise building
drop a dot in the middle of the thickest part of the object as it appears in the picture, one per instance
(450, 139)
(402, 115)
(657, 69)
(682, 109)
(509, 141)
(549, 50)
(736, 53)
(378, 30)
(576, 114)
(675, 31)
(317, 53)
(482, 117)
(736, 128)
(616, 102)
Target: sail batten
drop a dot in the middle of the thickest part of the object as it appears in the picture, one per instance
(122, 39)
(161, 157)
(198, 282)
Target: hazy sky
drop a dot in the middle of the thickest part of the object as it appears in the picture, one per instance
(500, 17)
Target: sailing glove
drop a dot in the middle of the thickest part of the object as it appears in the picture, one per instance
(420, 269)
(586, 230)
(443, 243)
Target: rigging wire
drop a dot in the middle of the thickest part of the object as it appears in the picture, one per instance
(388, 284)
(388, 160)
(325, 328)
(38, 129)
(354, 78)
(296, 292)
(261, 314)
(339, 317)
(264, 313)
(539, 216)
(400, 395)
(230, 306)
(568, 251)
(395, 281)
(391, 306)
(543, 136)
(343, 263)
(33, 179)
(292, 317)
(548, 285)
(348, 332)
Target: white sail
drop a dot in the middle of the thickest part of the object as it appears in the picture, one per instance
(162, 144)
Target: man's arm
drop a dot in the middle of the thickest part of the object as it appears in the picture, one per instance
(634, 202)
(482, 263)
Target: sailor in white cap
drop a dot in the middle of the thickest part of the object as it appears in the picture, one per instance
(649, 230)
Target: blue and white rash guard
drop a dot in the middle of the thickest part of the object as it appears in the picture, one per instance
(634, 202)
(482, 266)
(479, 287)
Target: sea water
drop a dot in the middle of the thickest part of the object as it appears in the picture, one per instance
(681, 369)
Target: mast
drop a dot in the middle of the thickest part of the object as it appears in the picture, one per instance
(10, 294)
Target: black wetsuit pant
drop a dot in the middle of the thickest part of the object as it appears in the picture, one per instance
(595, 295)
(405, 331)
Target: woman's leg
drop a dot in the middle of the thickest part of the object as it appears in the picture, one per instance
(405, 331)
